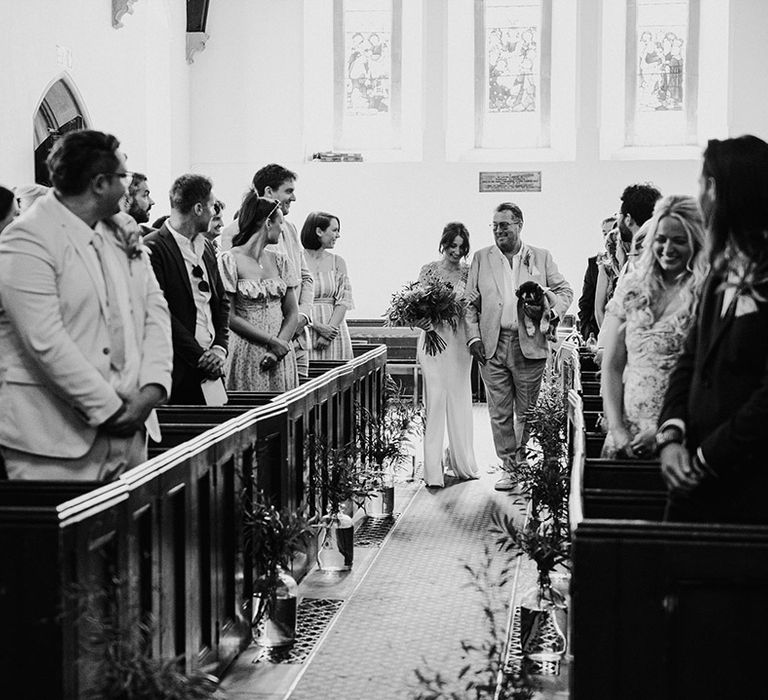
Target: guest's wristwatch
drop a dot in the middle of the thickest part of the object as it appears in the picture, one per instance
(667, 436)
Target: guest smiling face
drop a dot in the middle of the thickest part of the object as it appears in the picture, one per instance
(671, 246)
(507, 225)
(329, 236)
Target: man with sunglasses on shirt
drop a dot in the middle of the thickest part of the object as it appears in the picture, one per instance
(511, 353)
(185, 266)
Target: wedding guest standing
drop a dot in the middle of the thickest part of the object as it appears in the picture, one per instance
(263, 311)
(446, 374)
(646, 323)
(333, 294)
(713, 453)
(185, 266)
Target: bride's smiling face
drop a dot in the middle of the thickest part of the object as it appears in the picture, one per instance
(452, 252)
(671, 246)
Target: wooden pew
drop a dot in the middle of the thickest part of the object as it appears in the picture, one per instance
(659, 610)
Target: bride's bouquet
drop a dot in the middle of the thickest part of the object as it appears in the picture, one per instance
(434, 301)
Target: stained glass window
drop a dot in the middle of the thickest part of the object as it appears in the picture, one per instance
(367, 61)
(662, 37)
(512, 41)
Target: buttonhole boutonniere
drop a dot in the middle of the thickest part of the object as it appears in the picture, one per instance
(127, 234)
(528, 263)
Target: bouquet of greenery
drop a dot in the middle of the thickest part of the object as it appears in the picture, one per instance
(434, 301)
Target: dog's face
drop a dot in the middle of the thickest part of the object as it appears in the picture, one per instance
(530, 293)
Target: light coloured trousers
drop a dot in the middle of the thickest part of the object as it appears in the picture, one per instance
(512, 384)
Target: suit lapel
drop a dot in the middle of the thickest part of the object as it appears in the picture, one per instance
(497, 261)
(175, 254)
(90, 261)
(210, 266)
(711, 314)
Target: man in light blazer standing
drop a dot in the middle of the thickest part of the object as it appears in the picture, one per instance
(85, 336)
(511, 361)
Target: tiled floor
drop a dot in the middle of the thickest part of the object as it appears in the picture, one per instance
(407, 604)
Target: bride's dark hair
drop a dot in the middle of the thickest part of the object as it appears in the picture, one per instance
(254, 212)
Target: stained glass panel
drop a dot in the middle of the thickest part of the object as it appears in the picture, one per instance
(512, 39)
(367, 61)
(662, 36)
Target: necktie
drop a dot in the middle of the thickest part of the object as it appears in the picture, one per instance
(114, 320)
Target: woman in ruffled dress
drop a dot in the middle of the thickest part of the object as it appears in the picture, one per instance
(333, 294)
(646, 323)
(263, 309)
(447, 381)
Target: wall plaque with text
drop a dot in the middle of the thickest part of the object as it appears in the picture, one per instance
(509, 181)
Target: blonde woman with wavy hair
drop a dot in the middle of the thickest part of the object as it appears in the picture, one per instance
(646, 323)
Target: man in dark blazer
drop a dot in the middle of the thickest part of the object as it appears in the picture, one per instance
(712, 439)
(185, 265)
(587, 321)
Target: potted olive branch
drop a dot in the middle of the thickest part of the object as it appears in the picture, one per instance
(335, 487)
(383, 447)
(274, 537)
(545, 536)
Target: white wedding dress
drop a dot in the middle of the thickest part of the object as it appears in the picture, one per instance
(448, 397)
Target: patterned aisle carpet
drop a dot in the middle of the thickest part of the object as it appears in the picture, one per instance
(414, 607)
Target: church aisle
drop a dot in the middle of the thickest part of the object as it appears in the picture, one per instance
(414, 606)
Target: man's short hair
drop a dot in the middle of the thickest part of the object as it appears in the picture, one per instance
(136, 180)
(272, 175)
(638, 201)
(78, 156)
(517, 212)
(188, 190)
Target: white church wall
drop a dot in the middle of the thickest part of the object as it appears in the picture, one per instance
(133, 81)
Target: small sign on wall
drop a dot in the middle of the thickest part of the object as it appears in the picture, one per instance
(511, 181)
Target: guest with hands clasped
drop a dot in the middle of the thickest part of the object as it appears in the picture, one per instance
(645, 326)
(263, 311)
(713, 421)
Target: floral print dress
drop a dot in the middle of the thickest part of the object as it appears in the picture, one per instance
(653, 346)
(258, 301)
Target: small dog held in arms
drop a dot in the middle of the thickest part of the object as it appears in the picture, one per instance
(536, 310)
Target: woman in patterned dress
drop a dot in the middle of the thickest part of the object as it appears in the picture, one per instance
(263, 308)
(333, 294)
(446, 375)
(646, 323)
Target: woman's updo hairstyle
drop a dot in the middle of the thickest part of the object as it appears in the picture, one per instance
(254, 212)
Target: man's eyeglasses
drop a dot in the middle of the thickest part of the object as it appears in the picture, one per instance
(123, 176)
(202, 285)
(505, 225)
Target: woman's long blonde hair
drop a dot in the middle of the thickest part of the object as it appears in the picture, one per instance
(649, 274)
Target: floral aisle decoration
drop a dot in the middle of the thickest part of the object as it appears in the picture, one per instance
(545, 536)
(274, 537)
(383, 447)
(434, 301)
(334, 490)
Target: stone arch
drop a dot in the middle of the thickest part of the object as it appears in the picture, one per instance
(60, 110)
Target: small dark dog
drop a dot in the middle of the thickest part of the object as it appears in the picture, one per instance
(536, 310)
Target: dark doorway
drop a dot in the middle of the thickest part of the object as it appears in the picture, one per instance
(58, 113)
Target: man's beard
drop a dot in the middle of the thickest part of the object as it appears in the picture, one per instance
(139, 215)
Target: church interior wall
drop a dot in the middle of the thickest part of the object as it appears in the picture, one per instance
(242, 104)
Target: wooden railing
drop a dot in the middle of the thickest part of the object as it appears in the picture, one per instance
(164, 544)
(659, 610)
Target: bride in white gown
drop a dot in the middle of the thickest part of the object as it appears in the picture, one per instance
(447, 374)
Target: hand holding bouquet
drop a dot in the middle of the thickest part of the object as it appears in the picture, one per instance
(434, 301)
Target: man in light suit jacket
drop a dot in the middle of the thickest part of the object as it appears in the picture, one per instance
(85, 339)
(511, 361)
(185, 266)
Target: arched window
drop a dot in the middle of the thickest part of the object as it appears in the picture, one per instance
(60, 111)
(511, 93)
(664, 77)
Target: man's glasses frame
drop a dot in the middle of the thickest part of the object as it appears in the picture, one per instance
(123, 176)
(505, 225)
